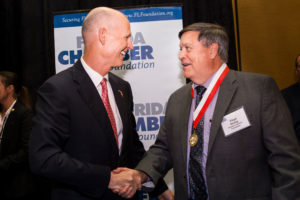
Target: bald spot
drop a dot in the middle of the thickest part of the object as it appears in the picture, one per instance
(100, 17)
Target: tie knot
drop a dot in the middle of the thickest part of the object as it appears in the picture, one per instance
(103, 82)
(200, 90)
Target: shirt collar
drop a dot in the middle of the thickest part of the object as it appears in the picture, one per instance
(10, 108)
(206, 83)
(95, 76)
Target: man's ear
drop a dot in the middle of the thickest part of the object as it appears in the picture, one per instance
(213, 50)
(10, 89)
(102, 32)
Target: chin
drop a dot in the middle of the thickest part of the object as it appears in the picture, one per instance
(186, 74)
(119, 64)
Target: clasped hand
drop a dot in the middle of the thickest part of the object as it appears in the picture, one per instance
(125, 182)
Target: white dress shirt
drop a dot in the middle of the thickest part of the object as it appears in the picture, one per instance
(96, 79)
(4, 118)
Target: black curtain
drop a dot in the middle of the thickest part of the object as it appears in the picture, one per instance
(27, 37)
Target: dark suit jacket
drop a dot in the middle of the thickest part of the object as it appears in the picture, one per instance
(73, 143)
(260, 162)
(292, 98)
(15, 177)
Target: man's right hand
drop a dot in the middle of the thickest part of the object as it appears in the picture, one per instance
(125, 182)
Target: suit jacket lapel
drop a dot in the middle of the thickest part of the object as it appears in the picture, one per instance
(186, 107)
(91, 97)
(226, 92)
(9, 130)
(8, 126)
(11, 117)
(118, 94)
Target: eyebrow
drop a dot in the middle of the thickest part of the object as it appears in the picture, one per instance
(186, 43)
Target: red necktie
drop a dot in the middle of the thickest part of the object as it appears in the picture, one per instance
(108, 109)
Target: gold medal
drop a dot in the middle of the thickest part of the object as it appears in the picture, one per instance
(193, 139)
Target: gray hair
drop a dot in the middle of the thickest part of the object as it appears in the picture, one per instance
(211, 33)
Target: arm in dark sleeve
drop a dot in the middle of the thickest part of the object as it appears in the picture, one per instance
(280, 141)
(23, 124)
(46, 147)
(157, 160)
(138, 151)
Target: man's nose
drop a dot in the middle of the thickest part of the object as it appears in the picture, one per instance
(130, 45)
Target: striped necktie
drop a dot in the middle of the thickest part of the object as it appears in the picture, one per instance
(109, 111)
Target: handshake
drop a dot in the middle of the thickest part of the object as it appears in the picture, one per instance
(125, 182)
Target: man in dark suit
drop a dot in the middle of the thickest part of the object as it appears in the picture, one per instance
(84, 126)
(238, 143)
(16, 180)
(292, 98)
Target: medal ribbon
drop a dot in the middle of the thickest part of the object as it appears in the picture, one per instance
(208, 96)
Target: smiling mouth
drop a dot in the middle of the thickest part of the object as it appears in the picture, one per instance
(123, 53)
(185, 65)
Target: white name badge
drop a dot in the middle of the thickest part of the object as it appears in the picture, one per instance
(235, 121)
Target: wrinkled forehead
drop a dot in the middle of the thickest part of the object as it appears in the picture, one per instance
(189, 37)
